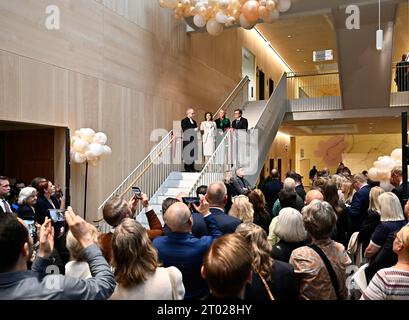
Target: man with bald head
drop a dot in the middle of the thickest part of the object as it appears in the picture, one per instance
(216, 195)
(313, 195)
(181, 249)
(190, 144)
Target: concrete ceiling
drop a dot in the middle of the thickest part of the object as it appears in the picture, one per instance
(308, 27)
(342, 126)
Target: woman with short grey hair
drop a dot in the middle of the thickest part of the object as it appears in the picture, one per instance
(310, 262)
(291, 232)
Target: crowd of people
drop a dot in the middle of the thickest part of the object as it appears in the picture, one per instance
(275, 242)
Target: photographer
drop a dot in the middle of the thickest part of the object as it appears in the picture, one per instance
(116, 210)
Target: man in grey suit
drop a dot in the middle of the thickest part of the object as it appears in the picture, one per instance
(4, 192)
(239, 184)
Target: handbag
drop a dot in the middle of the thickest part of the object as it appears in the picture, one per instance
(172, 282)
(266, 286)
(329, 267)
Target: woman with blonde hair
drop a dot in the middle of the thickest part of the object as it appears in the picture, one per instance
(242, 209)
(348, 191)
(77, 267)
(373, 219)
(392, 283)
(291, 232)
(136, 267)
(271, 279)
(392, 220)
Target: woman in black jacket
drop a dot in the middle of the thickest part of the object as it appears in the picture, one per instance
(271, 279)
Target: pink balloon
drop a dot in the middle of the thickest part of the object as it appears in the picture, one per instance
(250, 10)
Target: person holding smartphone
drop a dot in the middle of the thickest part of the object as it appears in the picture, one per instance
(117, 209)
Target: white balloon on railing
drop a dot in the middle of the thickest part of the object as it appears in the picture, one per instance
(214, 28)
(224, 4)
(245, 23)
(199, 21)
(221, 17)
(284, 5)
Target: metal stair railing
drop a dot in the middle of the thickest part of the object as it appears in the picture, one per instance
(149, 175)
(219, 163)
(237, 98)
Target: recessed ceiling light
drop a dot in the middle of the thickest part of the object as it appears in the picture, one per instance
(305, 61)
(298, 50)
(289, 36)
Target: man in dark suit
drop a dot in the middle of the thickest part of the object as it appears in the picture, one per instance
(181, 249)
(239, 184)
(190, 143)
(4, 192)
(402, 74)
(358, 211)
(396, 181)
(239, 122)
(217, 197)
(271, 189)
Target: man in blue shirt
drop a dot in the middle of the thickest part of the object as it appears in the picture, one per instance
(181, 249)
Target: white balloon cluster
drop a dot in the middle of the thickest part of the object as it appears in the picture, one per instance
(217, 14)
(86, 145)
(381, 170)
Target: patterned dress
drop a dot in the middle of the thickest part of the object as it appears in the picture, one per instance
(314, 280)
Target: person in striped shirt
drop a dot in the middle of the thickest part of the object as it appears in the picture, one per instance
(392, 283)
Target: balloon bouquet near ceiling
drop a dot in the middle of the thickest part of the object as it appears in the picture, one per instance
(88, 147)
(381, 170)
(217, 14)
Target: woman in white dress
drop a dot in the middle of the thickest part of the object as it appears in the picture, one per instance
(209, 130)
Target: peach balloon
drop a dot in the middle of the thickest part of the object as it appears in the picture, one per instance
(250, 10)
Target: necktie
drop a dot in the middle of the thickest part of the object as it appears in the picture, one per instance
(6, 206)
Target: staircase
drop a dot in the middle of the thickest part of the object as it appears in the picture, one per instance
(253, 110)
(160, 176)
(176, 183)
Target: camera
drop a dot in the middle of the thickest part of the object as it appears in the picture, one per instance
(57, 215)
(189, 200)
(137, 191)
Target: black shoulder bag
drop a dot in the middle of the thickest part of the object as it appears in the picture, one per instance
(329, 267)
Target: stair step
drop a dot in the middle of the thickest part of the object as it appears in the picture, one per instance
(177, 184)
(183, 176)
(172, 192)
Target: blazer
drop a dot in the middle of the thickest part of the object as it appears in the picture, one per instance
(239, 186)
(42, 207)
(283, 284)
(185, 252)
(222, 124)
(226, 223)
(25, 212)
(242, 124)
(358, 210)
(271, 191)
(35, 284)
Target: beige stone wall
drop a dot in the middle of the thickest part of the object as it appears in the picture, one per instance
(121, 67)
